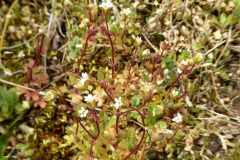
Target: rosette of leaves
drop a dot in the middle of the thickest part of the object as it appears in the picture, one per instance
(9, 103)
(11, 111)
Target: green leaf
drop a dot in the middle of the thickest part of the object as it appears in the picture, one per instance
(214, 19)
(112, 121)
(168, 61)
(131, 145)
(70, 139)
(19, 107)
(150, 122)
(22, 146)
(115, 28)
(197, 46)
(223, 74)
(8, 101)
(135, 116)
(123, 143)
(237, 3)
(73, 50)
(3, 145)
(185, 54)
(6, 110)
(135, 101)
(161, 124)
(155, 110)
(223, 19)
(100, 74)
(169, 148)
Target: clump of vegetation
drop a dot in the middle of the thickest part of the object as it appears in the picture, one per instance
(120, 80)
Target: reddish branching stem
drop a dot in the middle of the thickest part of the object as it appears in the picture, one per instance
(93, 137)
(90, 134)
(190, 72)
(142, 115)
(136, 148)
(112, 46)
(184, 71)
(91, 33)
(104, 87)
(39, 52)
(95, 118)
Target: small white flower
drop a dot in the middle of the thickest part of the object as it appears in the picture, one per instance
(82, 112)
(89, 98)
(54, 58)
(118, 102)
(106, 4)
(49, 95)
(78, 45)
(198, 57)
(85, 75)
(21, 54)
(175, 92)
(42, 93)
(126, 11)
(165, 71)
(146, 52)
(160, 81)
(165, 34)
(178, 118)
(81, 81)
(210, 56)
(179, 70)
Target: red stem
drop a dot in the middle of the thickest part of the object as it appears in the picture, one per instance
(85, 129)
(136, 147)
(124, 113)
(155, 61)
(112, 47)
(39, 50)
(104, 87)
(144, 131)
(96, 120)
(90, 34)
(179, 76)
